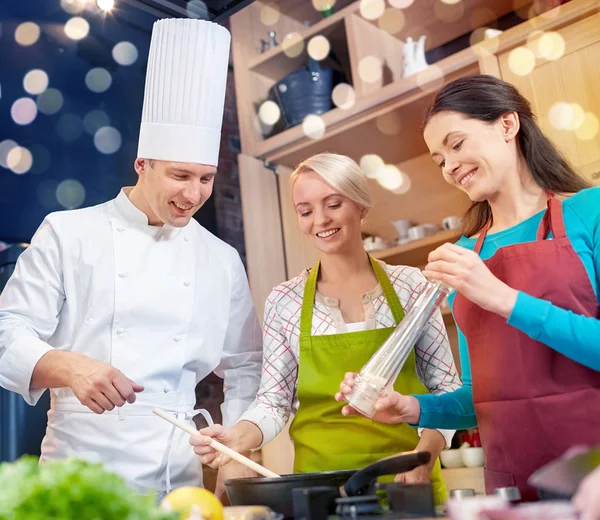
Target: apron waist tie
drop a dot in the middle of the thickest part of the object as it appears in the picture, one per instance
(185, 416)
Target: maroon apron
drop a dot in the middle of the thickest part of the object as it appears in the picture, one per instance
(531, 402)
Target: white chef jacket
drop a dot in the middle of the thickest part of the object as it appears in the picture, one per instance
(164, 305)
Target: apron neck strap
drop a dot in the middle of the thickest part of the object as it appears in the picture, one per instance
(388, 291)
(552, 220)
(310, 290)
(481, 237)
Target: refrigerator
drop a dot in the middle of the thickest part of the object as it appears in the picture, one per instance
(22, 427)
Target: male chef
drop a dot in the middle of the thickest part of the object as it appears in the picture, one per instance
(124, 307)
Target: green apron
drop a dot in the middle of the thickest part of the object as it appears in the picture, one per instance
(325, 440)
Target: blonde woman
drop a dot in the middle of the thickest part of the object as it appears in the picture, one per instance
(329, 320)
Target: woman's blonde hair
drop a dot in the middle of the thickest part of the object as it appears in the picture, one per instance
(341, 173)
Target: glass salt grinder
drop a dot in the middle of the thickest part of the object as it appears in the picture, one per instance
(383, 368)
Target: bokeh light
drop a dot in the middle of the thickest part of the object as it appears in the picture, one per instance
(73, 6)
(389, 124)
(392, 20)
(370, 163)
(98, 80)
(401, 4)
(371, 9)
(35, 82)
(70, 194)
(318, 47)
(19, 160)
(323, 5)
(313, 126)
(521, 61)
(270, 14)
(551, 46)
(50, 101)
(5, 147)
(390, 177)
(589, 127)
(578, 117)
(27, 34)
(125, 53)
(370, 69)
(197, 9)
(343, 96)
(23, 111)
(560, 115)
(292, 45)
(105, 5)
(107, 140)
(269, 112)
(94, 120)
(77, 28)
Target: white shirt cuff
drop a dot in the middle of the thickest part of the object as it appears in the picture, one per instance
(448, 435)
(267, 424)
(17, 365)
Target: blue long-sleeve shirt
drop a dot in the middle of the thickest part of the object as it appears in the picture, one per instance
(573, 335)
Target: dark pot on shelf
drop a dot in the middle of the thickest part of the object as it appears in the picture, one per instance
(304, 91)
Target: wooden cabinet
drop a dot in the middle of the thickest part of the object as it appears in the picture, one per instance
(565, 69)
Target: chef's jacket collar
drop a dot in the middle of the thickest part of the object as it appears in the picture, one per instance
(133, 215)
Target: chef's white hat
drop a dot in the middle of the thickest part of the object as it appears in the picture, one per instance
(185, 91)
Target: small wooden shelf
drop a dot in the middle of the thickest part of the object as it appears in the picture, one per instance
(274, 60)
(415, 253)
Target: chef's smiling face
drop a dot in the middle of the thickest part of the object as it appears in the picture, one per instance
(475, 156)
(330, 219)
(173, 191)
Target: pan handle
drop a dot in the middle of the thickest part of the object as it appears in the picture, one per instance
(360, 482)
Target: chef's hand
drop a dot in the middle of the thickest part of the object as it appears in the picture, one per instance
(97, 385)
(587, 498)
(464, 270)
(392, 408)
(208, 455)
(229, 471)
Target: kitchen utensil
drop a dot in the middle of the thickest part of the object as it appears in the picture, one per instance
(218, 446)
(462, 493)
(374, 243)
(451, 222)
(381, 371)
(417, 232)
(472, 457)
(278, 493)
(512, 493)
(430, 229)
(402, 226)
(451, 459)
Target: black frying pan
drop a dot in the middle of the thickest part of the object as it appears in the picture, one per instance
(276, 493)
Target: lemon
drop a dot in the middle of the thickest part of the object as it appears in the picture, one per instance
(193, 503)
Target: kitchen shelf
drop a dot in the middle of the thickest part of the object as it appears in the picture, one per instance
(273, 61)
(415, 253)
(408, 96)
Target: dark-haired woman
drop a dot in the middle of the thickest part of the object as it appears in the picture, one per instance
(526, 274)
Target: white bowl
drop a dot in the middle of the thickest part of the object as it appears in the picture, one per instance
(451, 459)
(472, 457)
